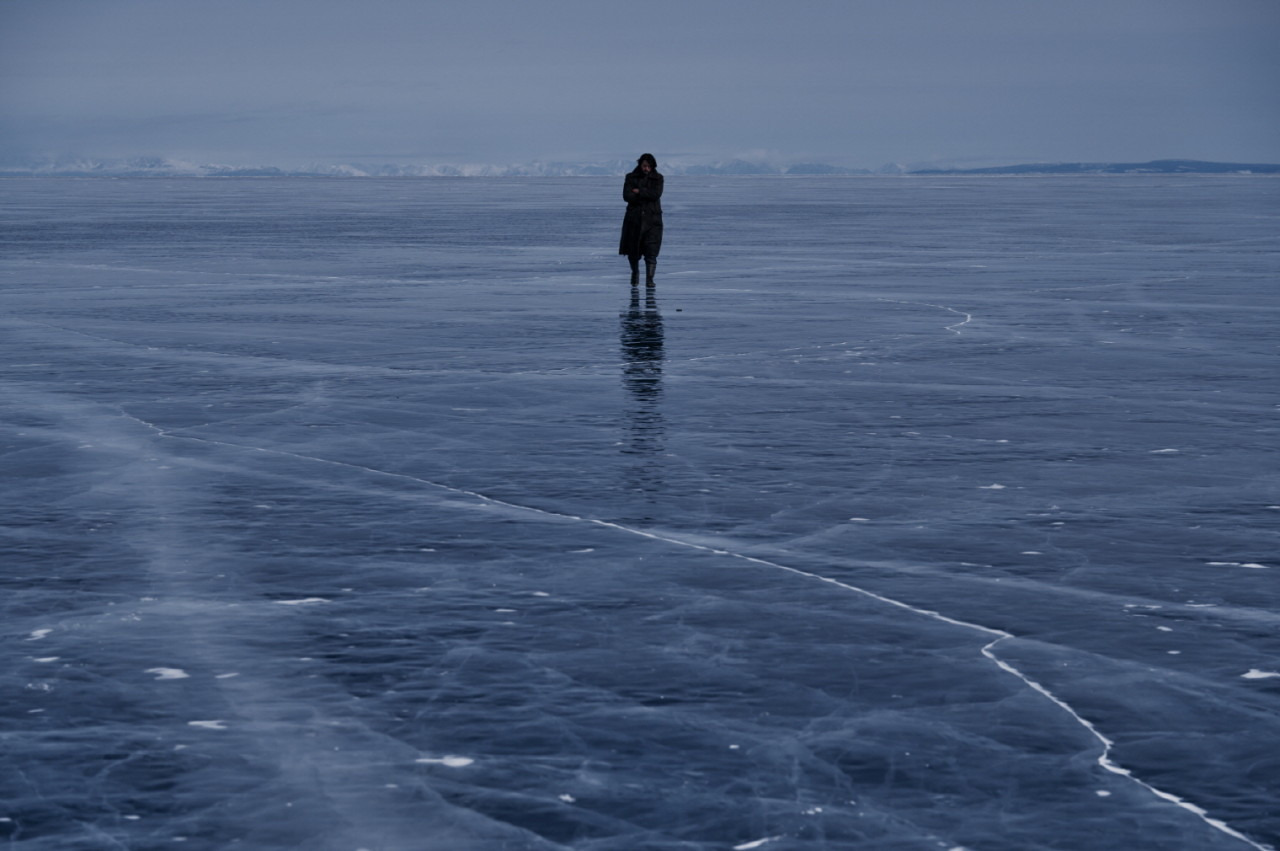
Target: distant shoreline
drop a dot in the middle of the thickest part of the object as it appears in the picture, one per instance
(161, 168)
(1152, 167)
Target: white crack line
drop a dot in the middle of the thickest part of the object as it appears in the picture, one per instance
(968, 317)
(1104, 759)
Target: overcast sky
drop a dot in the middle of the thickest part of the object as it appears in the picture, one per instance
(854, 82)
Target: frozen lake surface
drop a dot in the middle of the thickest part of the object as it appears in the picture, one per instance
(908, 515)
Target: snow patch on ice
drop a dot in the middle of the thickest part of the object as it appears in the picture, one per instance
(302, 602)
(450, 761)
(1255, 674)
(168, 673)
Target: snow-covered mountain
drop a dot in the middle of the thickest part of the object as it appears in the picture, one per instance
(164, 167)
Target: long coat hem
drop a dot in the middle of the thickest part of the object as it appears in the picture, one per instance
(642, 225)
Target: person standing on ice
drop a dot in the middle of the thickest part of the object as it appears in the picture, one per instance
(642, 226)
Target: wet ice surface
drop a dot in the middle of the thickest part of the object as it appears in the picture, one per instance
(908, 514)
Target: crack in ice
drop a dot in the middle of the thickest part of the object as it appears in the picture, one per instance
(998, 635)
(968, 317)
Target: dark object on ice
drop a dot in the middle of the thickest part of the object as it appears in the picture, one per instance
(642, 225)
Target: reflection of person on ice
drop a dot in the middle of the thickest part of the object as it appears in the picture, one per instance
(642, 226)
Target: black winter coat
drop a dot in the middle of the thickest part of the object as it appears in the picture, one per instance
(642, 226)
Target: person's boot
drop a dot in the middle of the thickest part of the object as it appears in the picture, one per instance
(635, 271)
(650, 266)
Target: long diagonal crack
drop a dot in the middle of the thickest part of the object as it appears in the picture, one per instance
(1104, 759)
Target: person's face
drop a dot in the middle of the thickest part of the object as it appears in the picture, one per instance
(645, 167)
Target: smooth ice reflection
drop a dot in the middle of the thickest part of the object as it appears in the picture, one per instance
(641, 333)
(906, 514)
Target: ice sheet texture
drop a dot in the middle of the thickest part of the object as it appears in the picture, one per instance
(907, 514)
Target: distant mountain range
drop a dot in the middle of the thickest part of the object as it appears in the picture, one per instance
(1153, 167)
(163, 167)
